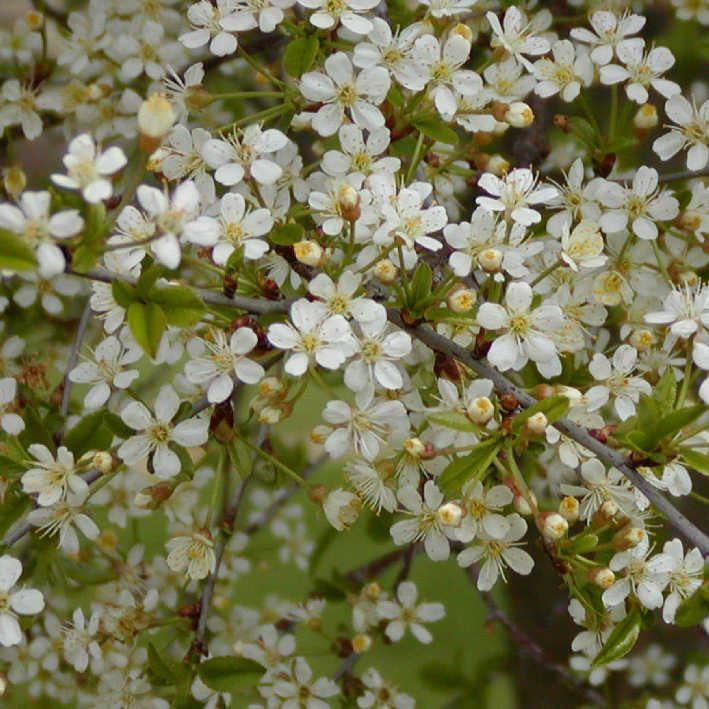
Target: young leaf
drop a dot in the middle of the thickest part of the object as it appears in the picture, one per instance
(226, 673)
(695, 609)
(621, 641)
(15, 253)
(455, 420)
(123, 293)
(300, 55)
(434, 127)
(181, 305)
(90, 433)
(469, 466)
(553, 408)
(696, 460)
(163, 672)
(286, 234)
(147, 323)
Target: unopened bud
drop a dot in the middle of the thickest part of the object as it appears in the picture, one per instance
(605, 513)
(602, 577)
(537, 424)
(688, 279)
(481, 410)
(415, 447)
(155, 118)
(500, 128)
(450, 514)
(272, 387)
(691, 220)
(103, 462)
(642, 340)
(521, 504)
(372, 591)
(628, 537)
(348, 201)
(361, 643)
(34, 20)
(463, 31)
(341, 508)
(319, 434)
(646, 117)
(519, 115)
(14, 180)
(554, 526)
(308, 252)
(385, 271)
(569, 509)
(497, 165)
(490, 260)
(461, 300)
(271, 414)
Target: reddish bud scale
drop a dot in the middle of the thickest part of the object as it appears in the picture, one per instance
(508, 401)
(447, 367)
(342, 647)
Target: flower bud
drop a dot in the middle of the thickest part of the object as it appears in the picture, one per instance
(361, 643)
(463, 31)
(569, 509)
(481, 410)
(461, 300)
(385, 271)
(554, 526)
(628, 537)
(155, 118)
(521, 504)
(602, 577)
(497, 165)
(606, 513)
(308, 252)
(103, 462)
(450, 514)
(688, 279)
(537, 424)
(372, 591)
(348, 202)
(342, 509)
(642, 340)
(500, 128)
(646, 117)
(691, 220)
(272, 388)
(3, 685)
(319, 434)
(519, 115)
(34, 20)
(14, 180)
(490, 260)
(415, 447)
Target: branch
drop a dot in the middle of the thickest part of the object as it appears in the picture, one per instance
(532, 649)
(684, 175)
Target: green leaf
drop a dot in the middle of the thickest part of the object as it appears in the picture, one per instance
(116, 425)
(226, 673)
(287, 234)
(621, 641)
(583, 130)
(85, 574)
(694, 609)
(323, 543)
(300, 55)
(90, 433)
(665, 393)
(434, 127)
(553, 408)
(123, 293)
(10, 468)
(84, 258)
(696, 460)
(455, 420)
(15, 254)
(12, 508)
(163, 672)
(420, 286)
(582, 544)
(147, 323)
(181, 305)
(677, 420)
(469, 466)
(147, 280)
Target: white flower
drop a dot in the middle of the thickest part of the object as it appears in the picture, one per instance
(582, 247)
(645, 577)
(371, 486)
(498, 553)
(527, 331)
(268, 14)
(224, 359)
(27, 601)
(609, 31)
(641, 70)
(213, 23)
(686, 310)
(88, 170)
(80, 643)
(171, 216)
(565, 75)
(407, 615)
(341, 508)
(62, 517)
(424, 522)
(235, 228)
(380, 694)
(9, 421)
(347, 12)
(439, 68)
(157, 432)
(374, 356)
(245, 154)
(686, 573)
(339, 90)
(19, 105)
(269, 647)
(144, 49)
(296, 687)
(507, 81)
(617, 382)
(192, 554)
(483, 509)
(312, 334)
(695, 688)
(366, 427)
(32, 221)
(515, 35)
(513, 195)
(676, 479)
(359, 156)
(340, 297)
(692, 130)
(178, 88)
(52, 477)
(640, 205)
(106, 371)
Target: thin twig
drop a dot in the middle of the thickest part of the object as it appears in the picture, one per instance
(73, 358)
